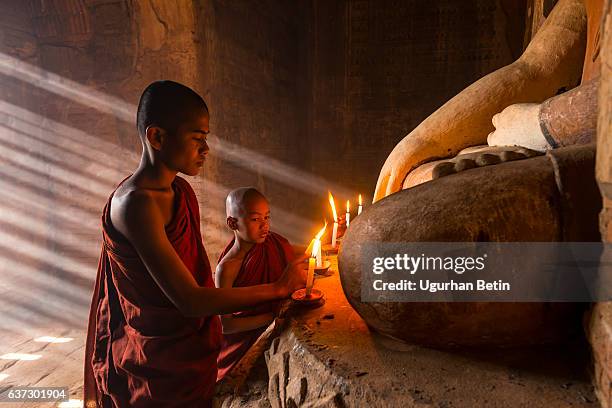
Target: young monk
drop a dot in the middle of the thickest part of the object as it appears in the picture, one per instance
(254, 256)
(154, 333)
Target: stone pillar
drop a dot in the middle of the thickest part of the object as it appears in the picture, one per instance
(599, 328)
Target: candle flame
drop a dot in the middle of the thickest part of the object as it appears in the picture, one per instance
(348, 206)
(359, 199)
(321, 232)
(333, 206)
(315, 248)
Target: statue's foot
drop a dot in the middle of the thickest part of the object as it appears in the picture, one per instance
(469, 158)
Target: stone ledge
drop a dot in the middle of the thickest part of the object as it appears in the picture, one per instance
(327, 357)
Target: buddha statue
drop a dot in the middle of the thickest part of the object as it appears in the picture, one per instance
(509, 158)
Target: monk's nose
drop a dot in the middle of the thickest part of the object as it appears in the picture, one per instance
(204, 148)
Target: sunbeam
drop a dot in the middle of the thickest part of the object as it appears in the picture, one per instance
(20, 356)
(273, 168)
(66, 88)
(52, 339)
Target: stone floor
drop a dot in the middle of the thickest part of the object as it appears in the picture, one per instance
(29, 359)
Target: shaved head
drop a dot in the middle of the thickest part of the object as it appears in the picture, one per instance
(238, 200)
(167, 104)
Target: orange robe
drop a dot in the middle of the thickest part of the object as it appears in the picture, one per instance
(264, 263)
(141, 351)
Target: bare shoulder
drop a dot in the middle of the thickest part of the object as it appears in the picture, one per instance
(227, 270)
(132, 207)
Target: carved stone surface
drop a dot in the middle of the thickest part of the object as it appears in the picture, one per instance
(552, 198)
(599, 322)
(327, 357)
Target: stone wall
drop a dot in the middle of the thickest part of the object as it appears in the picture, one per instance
(253, 75)
(71, 73)
(304, 97)
(381, 67)
(599, 324)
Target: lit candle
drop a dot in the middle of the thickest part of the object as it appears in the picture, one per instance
(335, 230)
(348, 213)
(359, 209)
(311, 267)
(318, 240)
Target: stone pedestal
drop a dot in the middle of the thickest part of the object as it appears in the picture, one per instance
(327, 357)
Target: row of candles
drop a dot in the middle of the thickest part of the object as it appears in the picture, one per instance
(347, 218)
(316, 258)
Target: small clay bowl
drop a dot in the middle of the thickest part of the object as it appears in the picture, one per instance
(299, 297)
(323, 270)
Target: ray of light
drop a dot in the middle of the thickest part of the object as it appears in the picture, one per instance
(40, 283)
(122, 110)
(25, 306)
(52, 339)
(66, 88)
(42, 203)
(20, 356)
(25, 247)
(24, 218)
(273, 168)
(71, 403)
(45, 168)
(77, 141)
(60, 178)
(28, 327)
(39, 149)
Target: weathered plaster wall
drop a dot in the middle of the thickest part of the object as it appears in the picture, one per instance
(599, 325)
(254, 78)
(381, 67)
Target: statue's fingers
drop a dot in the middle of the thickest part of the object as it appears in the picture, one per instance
(381, 186)
(495, 119)
(394, 184)
(491, 139)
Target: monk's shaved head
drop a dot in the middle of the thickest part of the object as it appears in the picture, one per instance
(167, 104)
(238, 200)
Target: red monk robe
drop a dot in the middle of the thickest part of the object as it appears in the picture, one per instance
(141, 351)
(264, 263)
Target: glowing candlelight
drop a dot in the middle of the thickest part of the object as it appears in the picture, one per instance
(360, 208)
(335, 230)
(318, 240)
(348, 213)
(311, 267)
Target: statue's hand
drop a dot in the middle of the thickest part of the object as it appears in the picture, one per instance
(518, 125)
(392, 173)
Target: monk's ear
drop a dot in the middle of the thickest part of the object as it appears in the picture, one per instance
(232, 223)
(155, 136)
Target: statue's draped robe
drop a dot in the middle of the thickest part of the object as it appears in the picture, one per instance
(264, 263)
(141, 351)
